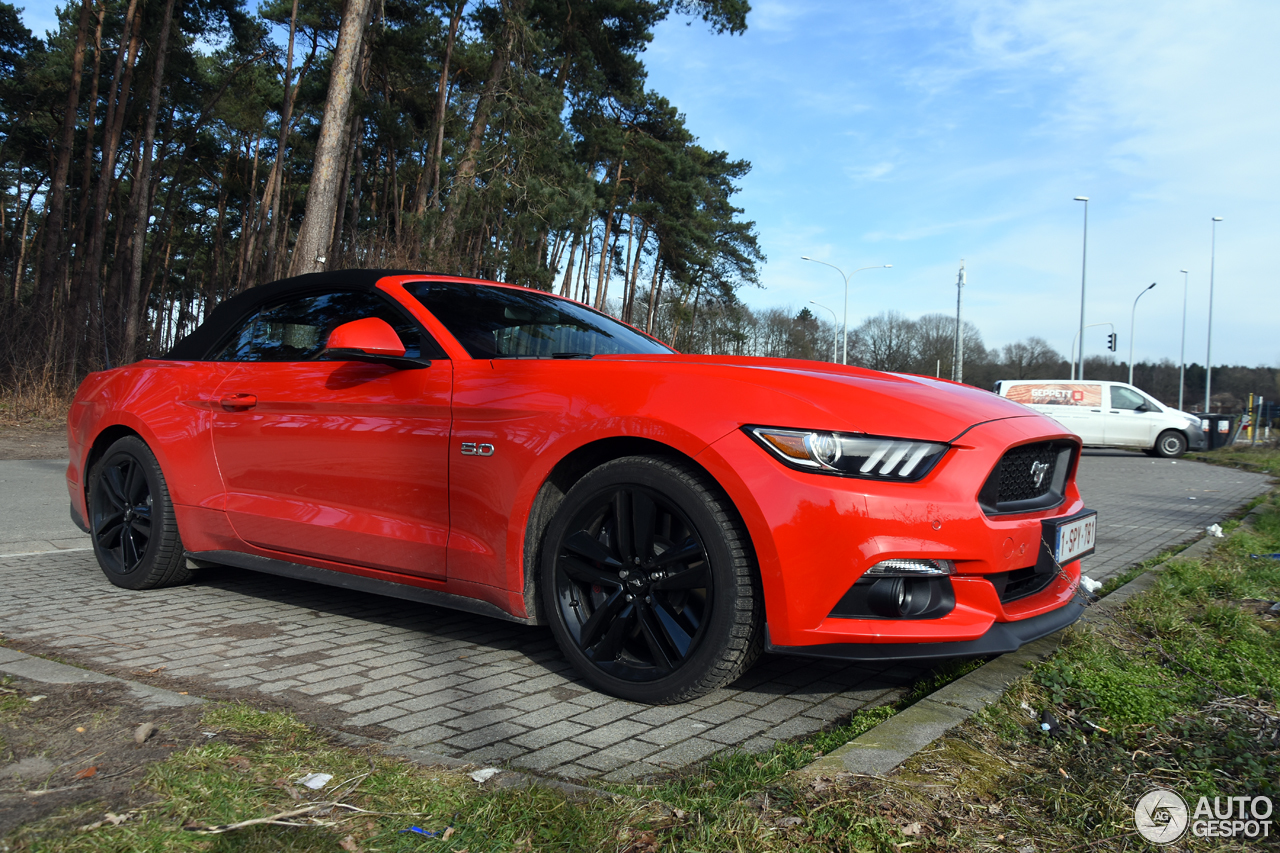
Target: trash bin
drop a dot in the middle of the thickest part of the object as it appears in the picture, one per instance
(1219, 430)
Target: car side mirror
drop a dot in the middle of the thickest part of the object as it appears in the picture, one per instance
(371, 339)
(370, 336)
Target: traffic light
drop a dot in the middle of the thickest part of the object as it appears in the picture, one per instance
(1111, 341)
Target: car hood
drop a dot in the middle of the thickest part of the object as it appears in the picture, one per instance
(824, 396)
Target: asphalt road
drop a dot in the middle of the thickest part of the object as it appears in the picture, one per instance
(468, 686)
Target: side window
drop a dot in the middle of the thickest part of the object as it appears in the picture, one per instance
(238, 349)
(1123, 398)
(297, 330)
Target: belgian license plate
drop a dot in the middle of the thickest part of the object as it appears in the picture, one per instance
(1076, 538)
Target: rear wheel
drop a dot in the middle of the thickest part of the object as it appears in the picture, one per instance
(131, 521)
(648, 582)
(1171, 444)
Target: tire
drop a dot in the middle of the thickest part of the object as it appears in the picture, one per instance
(1171, 444)
(131, 521)
(660, 609)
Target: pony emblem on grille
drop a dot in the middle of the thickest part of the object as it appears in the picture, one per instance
(1038, 472)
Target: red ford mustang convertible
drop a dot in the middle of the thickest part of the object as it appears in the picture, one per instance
(507, 452)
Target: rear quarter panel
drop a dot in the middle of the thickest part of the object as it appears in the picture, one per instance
(167, 404)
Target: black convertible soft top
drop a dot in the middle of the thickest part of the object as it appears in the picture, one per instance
(197, 345)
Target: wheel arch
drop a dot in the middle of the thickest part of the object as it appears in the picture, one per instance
(1183, 433)
(98, 449)
(572, 468)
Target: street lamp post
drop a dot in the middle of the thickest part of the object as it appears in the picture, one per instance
(1208, 355)
(835, 321)
(845, 353)
(1110, 326)
(1131, 316)
(1084, 258)
(1182, 351)
(957, 361)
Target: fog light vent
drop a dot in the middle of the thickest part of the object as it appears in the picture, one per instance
(911, 568)
(897, 597)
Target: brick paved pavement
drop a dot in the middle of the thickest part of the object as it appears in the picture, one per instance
(456, 684)
(1145, 505)
(489, 691)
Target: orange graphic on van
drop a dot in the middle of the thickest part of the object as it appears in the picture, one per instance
(1057, 394)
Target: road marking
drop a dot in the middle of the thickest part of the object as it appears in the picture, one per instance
(50, 551)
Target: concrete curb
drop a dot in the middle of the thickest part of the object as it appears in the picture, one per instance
(883, 748)
(22, 665)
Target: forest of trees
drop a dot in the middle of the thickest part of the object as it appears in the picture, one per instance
(161, 155)
(158, 156)
(894, 342)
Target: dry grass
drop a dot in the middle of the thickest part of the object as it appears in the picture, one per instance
(34, 402)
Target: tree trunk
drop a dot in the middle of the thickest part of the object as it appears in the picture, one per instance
(608, 222)
(271, 196)
(53, 261)
(80, 296)
(86, 177)
(22, 258)
(142, 192)
(431, 168)
(112, 129)
(312, 248)
(655, 292)
(628, 308)
(466, 170)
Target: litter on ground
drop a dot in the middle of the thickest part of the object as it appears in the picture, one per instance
(316, 781)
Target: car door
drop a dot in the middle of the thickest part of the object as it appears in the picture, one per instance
(343, 461)
(1132, 420)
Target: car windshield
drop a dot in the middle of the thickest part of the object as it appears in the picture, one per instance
(501, 322)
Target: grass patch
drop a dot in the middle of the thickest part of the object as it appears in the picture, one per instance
(1264, 458)
(11, 707)
(36, 402)
(1112, 584)
(252, 767)
(1179, 690)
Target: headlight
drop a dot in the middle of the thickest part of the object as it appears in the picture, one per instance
(866, 456)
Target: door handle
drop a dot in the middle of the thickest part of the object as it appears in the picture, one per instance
(239, 402)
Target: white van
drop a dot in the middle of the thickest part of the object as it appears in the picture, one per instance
(1109, 414)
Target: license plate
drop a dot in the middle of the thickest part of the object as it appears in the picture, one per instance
(1076, 538)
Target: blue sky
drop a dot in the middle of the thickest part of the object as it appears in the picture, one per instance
(919, 133)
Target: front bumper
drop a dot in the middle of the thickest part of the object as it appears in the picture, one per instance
(815, 536)
(1197, 439)
(1001, 638)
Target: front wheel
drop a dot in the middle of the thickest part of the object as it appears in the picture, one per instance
(131, 521)
(1171, 444)
(648, 582)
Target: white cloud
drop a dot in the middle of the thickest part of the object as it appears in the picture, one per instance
(869, 173)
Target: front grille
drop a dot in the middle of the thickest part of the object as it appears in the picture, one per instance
(1029, 477)
(1017, 482)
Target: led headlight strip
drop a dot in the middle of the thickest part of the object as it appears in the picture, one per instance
(865, 456)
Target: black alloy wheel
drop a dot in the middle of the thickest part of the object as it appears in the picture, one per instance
(135, 537)
(648, 584)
